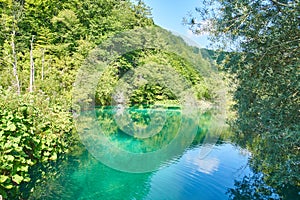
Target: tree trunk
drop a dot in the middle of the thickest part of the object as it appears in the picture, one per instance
(43, 63)
(31, 66)
(14, 63)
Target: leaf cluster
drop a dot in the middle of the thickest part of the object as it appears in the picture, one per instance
(30, 134)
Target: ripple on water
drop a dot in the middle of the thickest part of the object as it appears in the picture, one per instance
(195, 178)
(185, 177)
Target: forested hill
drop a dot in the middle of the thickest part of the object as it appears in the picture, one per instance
(55, 37)
(43, 43)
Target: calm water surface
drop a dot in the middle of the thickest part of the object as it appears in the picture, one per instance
(186, 176)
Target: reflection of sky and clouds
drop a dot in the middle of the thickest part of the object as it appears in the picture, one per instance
(193, 177)
(203, 171)
(188, 177)
(206, 166)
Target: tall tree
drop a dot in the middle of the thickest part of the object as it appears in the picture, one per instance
(31, 66)
(14, 62)
(65, 31)
(11, 14)
(263, 39)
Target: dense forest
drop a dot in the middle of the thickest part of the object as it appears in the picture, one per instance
(44, 45)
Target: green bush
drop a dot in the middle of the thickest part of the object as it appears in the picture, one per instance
(32, 132)
(151, 91)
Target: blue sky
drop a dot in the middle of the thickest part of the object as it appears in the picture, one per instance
(169, 14)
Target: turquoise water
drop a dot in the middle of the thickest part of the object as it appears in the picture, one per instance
(185, 175)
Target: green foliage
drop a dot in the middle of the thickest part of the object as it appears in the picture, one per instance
(150, 92)
(31, 133)
(263, 40)
(65, 31)
(36, 129)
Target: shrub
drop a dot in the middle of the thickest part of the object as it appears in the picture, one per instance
(32, 132)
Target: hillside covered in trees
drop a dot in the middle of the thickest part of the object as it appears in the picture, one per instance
(43, 45)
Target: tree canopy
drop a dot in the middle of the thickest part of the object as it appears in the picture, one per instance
(262, 40)
(42, 45)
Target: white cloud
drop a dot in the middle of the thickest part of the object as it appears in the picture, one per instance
(207, 166)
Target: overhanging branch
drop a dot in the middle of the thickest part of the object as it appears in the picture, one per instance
(281, 4)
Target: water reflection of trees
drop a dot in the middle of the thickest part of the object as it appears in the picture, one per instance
(275, 159)
(254, 187)
(83, 177)
(172, 121)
